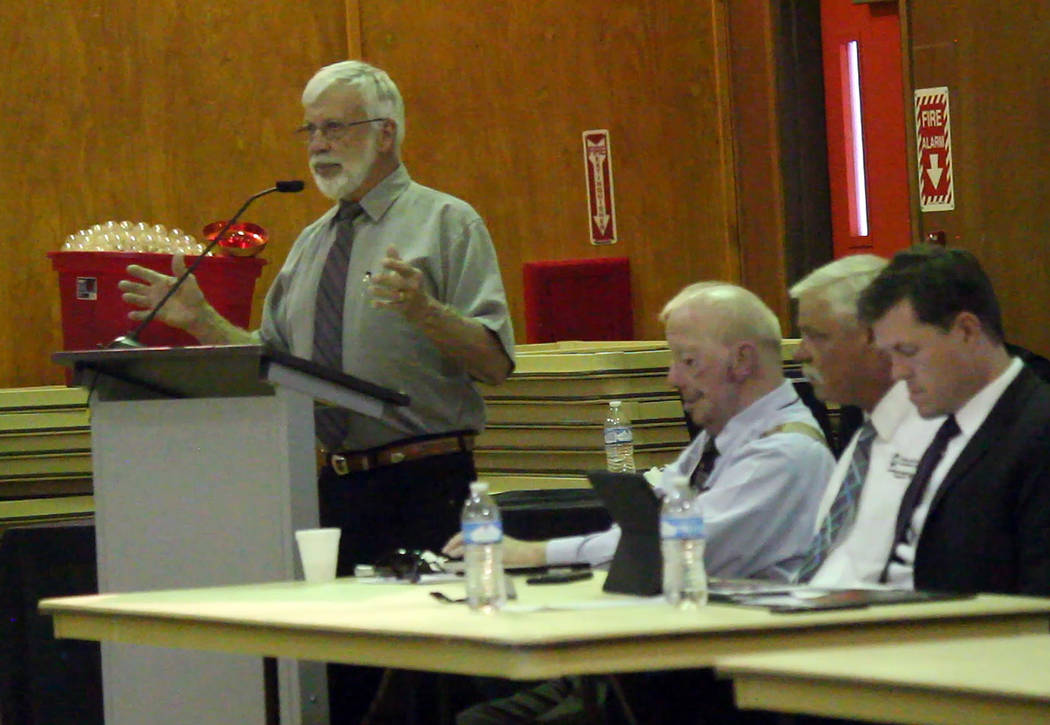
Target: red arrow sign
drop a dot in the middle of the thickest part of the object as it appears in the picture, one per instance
(597, 161)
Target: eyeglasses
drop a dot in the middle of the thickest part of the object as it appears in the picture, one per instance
(330, 130)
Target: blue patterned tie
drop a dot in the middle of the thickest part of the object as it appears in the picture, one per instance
(330, 423)
(843, 509)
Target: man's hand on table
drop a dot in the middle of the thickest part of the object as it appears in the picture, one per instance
(515, 551)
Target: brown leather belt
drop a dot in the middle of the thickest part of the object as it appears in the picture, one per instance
(344, 462)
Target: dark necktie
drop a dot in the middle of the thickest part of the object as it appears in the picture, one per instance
(698, 480)
(331, 423)
(843, 509)
(919, 482)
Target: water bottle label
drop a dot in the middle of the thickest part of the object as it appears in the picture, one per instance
(691, 527)
(620, 434)
(482, 532)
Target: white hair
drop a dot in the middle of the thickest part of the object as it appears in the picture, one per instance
(840, 283)
(379, 94)
(741, 314)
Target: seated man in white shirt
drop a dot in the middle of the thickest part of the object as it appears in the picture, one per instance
(852, 539)
(762, 482)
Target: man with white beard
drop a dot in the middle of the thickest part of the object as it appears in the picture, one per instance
(419, 307)
(397, 284)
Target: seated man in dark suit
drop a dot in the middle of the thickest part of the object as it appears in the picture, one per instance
(976, 517)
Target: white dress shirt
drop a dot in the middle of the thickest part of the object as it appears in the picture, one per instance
(969, 418)
(764, 488)
(901, 437)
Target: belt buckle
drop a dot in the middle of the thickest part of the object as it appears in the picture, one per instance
(339, 464)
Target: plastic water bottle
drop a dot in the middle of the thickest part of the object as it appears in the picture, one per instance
(682, 545)
(483, 550)
(619, 439)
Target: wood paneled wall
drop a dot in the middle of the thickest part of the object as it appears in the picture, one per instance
(174, 112)
(986, 53)
(169, 112)
(498, 95)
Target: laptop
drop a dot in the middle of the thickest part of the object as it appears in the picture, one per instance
(637, 565)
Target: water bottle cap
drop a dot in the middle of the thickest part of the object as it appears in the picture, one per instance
(615, 403)
(479, 487)
(679, 481)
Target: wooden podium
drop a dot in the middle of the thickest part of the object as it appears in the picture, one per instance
(204, 466)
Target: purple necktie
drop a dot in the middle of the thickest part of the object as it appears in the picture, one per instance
(919, 482)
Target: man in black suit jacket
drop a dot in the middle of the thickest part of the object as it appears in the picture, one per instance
(977, 515)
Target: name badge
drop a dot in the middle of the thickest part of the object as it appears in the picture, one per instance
(903, 467)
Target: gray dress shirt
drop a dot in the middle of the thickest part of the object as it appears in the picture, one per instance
(445, 239)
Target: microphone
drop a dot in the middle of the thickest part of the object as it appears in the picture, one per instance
(131, 339)
(285, 187)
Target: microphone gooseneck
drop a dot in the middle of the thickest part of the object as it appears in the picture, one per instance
(131, 339)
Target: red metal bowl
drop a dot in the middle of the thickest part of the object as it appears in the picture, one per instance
(243, 239)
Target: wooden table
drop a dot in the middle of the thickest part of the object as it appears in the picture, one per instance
(998, 680)
(551, 631)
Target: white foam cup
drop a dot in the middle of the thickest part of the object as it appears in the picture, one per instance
(318, 552)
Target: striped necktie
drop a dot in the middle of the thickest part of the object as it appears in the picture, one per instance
(330, 423)
(843, 509)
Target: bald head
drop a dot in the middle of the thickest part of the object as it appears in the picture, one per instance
(727, 314)
(725, 351)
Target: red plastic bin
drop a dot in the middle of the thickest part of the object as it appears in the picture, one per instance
(93, 312)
